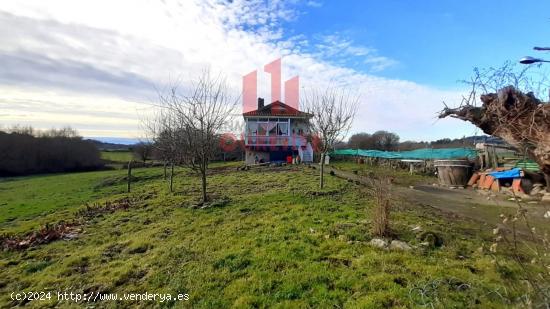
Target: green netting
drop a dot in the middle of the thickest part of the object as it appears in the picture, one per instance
(418, 154)
(529, 165)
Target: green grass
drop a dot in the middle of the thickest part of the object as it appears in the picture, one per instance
(274, 245)
(28, 201)
(401, 176)
(117, 156)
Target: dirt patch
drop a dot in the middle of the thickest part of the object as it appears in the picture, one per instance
(46, 234)
(65, 229)
(213, 201)
(454, 203)
(95, 210)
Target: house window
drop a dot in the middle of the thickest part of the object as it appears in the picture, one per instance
(282, 129)
(252, 128)
(272, 129)
(261, 130)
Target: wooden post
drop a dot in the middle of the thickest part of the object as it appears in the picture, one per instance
(172, 177)
(495, 158)
(129, 175)
(203, 181)
(481, 162)
(322, 170)
(486, 154)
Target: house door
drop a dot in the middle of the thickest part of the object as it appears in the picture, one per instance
(281, 155)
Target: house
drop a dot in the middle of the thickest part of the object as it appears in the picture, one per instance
(276, 133)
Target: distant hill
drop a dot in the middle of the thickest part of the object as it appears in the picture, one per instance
(111, 146)
(115, 140)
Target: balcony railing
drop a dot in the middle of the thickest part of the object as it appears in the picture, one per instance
(255, 140)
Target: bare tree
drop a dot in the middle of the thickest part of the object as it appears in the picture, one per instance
(27, 151)
(161, 129)
(189, 122)
(143, 151)
(333, 111)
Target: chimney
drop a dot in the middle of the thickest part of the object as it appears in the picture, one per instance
(260, 103)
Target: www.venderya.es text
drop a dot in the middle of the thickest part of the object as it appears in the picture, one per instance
(96, 297)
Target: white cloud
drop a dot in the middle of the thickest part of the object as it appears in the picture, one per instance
(314, 4)
(380, 63)
(339, 49)
(94, 64)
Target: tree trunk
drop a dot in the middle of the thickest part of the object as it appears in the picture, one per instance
(203, 179)
(322, 172)
(171, 177)
(129, 176)
(165, 163)
(520, 119)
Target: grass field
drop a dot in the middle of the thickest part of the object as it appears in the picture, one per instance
(117, 156)
(400, 176)
(276, 242)
(32, 200)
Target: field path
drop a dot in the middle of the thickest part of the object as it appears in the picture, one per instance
(468, 203)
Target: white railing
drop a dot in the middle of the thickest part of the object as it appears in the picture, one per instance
(255, 140)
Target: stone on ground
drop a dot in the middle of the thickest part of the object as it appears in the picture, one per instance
(399, 245)
(378, 243)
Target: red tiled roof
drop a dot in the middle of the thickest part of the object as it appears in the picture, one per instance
(277, 108)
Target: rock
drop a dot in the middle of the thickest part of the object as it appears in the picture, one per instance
(378, 243)
(545, 197)
(411, 187)
(70, 236)
(342, 238)
(399, 245)
(416, 229)
(431, 239)
(483, 192)
(536, 190)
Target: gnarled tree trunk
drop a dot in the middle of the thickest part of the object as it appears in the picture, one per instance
(520, 119)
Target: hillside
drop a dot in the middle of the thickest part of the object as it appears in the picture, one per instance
(275, 241)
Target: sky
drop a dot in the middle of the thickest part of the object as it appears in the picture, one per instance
(97, 66)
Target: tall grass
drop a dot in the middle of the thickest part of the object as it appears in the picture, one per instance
(381, 191)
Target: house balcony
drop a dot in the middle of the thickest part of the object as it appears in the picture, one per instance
(292, 141)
